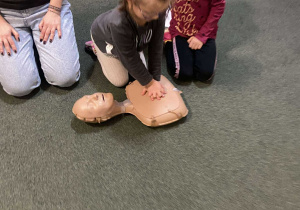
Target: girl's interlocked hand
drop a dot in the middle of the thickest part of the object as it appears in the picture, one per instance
(155, 90)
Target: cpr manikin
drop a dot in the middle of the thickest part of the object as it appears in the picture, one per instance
(100, 107)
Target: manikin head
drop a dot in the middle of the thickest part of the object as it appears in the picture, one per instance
(143, 11)
(98, 105)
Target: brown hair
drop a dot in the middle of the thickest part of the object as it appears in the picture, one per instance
(123, 3)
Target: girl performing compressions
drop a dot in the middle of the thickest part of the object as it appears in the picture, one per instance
(121, 34)
(191, 48)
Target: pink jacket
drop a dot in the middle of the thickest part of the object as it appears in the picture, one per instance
(197, 18)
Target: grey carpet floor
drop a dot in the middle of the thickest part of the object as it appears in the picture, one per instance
(237, 149)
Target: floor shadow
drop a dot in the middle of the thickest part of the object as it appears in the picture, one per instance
(18, 100)
(181, 82)
(202, 84)
(236, 35)
(81, 127)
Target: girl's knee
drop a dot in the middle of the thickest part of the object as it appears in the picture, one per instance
(64, 80)
(204, 75)
(20, 89)
(120, 82)
(186, 75)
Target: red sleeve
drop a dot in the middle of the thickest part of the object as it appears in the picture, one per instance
(216, 12)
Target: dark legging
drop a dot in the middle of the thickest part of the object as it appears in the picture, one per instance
(197, 64)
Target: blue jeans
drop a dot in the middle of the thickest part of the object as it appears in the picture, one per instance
(59, 59)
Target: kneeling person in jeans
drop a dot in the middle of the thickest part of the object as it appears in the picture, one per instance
(48, 25)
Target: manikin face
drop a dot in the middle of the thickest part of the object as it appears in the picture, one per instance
(96, 105)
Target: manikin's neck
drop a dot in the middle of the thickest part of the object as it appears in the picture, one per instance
(121, 107)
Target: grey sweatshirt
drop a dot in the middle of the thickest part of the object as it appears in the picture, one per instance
(117, 28)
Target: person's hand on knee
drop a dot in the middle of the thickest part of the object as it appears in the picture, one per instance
(49, 24)
(6, 41)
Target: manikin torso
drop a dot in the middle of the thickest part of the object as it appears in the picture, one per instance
(100, 107)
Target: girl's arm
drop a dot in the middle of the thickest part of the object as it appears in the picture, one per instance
(125, 47)
(155, 49)
(216, 12)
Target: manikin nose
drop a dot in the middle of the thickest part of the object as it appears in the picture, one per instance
(95, 96)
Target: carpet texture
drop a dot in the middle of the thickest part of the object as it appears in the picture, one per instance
(238, 148)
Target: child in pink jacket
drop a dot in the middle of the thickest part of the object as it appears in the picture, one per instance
(191, 48)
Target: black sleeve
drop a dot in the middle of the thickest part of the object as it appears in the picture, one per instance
(155, 48)
(124, 44)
